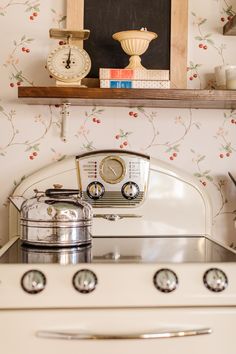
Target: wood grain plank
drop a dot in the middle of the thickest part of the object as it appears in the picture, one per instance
(169, 98)
(75, 18)
(178, 45)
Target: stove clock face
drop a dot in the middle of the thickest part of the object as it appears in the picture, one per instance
(112, 169)
(165, 280)
(68, 63)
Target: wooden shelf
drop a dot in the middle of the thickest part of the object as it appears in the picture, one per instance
(229, 28)
(168, 98)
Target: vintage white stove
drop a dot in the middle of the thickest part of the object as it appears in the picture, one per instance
(153, 279)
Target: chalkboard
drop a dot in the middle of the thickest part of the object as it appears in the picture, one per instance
(106, 17)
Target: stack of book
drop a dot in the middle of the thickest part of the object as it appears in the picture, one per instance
(134, 78)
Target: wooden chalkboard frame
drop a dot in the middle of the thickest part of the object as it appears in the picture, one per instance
(178, 36)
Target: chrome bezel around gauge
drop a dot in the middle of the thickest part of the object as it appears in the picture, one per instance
(111, 173)
(168, 287)
(35, 287)
(221, 282)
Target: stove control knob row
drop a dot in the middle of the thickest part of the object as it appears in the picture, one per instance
(85, 281)
(33, 281)
(215, 280)
(165, 280)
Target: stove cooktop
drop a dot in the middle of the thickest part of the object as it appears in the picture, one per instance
(192, 249)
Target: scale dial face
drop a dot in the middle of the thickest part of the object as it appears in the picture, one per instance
(68, 63)
(112, 169)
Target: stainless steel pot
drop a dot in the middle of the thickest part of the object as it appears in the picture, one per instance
(52, 255)
(57, 217)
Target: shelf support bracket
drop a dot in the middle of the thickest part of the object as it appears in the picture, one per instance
(64, 116)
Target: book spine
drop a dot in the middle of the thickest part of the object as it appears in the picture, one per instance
(145, 84)
(130, 74)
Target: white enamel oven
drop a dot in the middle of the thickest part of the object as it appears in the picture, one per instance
(153, 280)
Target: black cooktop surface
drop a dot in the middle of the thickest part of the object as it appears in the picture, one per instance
(123, 250)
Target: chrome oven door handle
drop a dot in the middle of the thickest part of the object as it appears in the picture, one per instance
(66, 335)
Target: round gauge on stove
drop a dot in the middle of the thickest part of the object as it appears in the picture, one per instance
(165, 280)
(215, 280)
(112, 169)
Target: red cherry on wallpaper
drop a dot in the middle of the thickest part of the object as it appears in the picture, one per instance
(221, 156)
(171, 158)
(135, 115)
(18, 83)
(35, 153)
(232, 121)
(61, 42)
(228, 154)
(200, 45)
(222, 19)
(205, 47)
(12, 84)
(23, 49)
(98, 121)
(191, 78)
(121, 146)
(35, 14)
(195, 76)
(117, 136)
(31, 18)
(125, 143)
(175, 154)
(131, 113)
(27, 50)
(94, 120)
(31, 157)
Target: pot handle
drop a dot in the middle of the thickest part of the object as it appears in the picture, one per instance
(53, 192)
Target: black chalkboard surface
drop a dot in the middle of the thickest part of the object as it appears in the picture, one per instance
(105, 17)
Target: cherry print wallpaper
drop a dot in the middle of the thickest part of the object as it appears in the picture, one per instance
(201, 142)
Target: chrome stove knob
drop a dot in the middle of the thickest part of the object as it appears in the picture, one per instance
(130, 190)
(95, 190)
(165, 280)
(215, 280)
(33, 282)
(85, 281)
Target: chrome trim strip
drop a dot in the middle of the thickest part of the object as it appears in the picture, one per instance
(96, 336)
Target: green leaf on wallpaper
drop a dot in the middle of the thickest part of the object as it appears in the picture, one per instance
(62, 19)
(2, 14)
(196, 174)
(209, 178)
(1, 109)
(210, 41)
(53, 11)
(203, 21)
(208, 35)
(2, 154)
(201, 158)
(61, 158)
(23, 38)
(141, 109)
(193, 13)
(14, 42)
(206, 172)
(198, 38)
(29, 40)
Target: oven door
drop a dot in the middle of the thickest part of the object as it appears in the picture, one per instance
(126, 331)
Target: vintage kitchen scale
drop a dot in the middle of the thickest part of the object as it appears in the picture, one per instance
(151, 271)
(68, 63)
